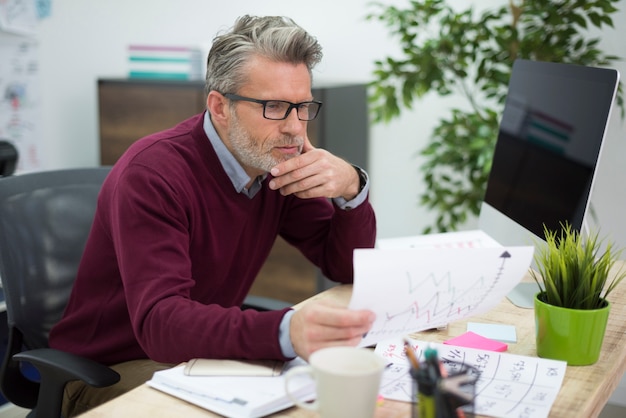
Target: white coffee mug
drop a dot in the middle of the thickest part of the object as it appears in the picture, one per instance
(347, 381)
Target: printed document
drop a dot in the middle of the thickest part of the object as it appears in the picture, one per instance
(414, 289)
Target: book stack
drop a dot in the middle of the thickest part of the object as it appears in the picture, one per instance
(165, 62)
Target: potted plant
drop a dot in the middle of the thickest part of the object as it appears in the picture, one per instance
(446, 50)
(575, 276)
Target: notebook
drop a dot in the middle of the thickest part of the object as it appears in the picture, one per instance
(223, 367)
(234, 396)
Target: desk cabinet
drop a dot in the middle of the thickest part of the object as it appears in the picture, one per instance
(131, 109)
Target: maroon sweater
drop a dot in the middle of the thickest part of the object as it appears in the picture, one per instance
(174, 250)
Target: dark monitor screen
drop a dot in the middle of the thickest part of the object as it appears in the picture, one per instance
(549, 142)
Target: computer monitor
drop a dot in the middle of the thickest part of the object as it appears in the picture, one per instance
(549, 142)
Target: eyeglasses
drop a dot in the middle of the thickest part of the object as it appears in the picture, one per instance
(280, 109)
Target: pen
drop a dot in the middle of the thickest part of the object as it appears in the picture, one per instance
(211, 393)
(434, 367)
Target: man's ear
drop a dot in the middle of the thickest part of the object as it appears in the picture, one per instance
(217, 106)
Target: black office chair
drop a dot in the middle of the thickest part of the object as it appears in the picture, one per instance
(262, 303)
(8, 158)
(45, 218)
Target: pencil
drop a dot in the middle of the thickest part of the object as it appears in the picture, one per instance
(415, 364)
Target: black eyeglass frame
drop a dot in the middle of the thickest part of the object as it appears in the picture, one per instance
(296, 106)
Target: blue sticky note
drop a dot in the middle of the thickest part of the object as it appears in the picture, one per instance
(499, 332)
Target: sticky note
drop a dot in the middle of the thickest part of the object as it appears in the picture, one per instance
(473, 340)
(499, 332)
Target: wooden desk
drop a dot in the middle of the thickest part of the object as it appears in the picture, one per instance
(585, 390)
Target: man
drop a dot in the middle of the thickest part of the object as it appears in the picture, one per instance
(188, 216)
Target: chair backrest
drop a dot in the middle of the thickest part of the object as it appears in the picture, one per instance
(8, 158)
(45, 218)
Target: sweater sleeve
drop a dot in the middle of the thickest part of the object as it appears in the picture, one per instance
(328, 235)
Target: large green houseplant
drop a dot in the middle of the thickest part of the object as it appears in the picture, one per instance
(575, 274)
(445, 51)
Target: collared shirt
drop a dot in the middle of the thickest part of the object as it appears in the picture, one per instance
(235, 171)
(239, 178)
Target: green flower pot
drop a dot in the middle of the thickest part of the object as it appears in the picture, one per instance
(572, 335)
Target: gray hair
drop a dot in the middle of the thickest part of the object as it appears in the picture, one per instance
(276, 38)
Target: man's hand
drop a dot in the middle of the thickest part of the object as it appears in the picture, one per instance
(320, 324)
(315, 173)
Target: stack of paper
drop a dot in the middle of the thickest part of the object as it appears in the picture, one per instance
(235, 396)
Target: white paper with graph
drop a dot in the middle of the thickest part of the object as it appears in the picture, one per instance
(415, 289)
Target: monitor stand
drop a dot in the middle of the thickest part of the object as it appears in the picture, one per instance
(523, 295)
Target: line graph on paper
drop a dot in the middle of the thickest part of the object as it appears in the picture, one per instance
(415, 289)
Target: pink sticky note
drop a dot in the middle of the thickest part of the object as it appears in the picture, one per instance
(473, 340)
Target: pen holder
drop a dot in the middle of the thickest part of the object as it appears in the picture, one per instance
(436, 396)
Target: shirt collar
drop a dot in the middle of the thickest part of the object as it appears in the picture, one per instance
(234, 170)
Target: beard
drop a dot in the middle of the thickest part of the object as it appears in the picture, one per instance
(254, 153)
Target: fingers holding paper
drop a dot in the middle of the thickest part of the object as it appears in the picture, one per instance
(322, 324)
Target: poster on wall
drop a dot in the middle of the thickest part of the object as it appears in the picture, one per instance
(19, 16)
(20, 99)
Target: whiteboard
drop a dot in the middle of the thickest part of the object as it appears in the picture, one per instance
(20, 99)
